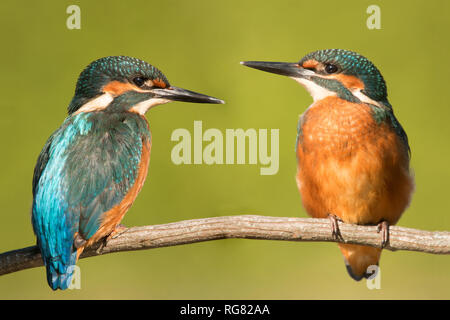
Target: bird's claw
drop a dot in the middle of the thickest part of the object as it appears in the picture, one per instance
(383, 227)
(335, 232)
(120, 229)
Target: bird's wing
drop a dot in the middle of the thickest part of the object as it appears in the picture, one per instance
(387, 113)
(41, 162)
(86, 168)
(400, 131)
(299, 139)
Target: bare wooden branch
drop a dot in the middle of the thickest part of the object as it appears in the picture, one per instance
(242, 227)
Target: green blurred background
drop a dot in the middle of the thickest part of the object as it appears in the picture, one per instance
(198, 45)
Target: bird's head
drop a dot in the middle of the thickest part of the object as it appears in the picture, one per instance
(122, 83)
(333, 72)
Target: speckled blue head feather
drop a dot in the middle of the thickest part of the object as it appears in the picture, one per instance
(352, 63)
(107, 69)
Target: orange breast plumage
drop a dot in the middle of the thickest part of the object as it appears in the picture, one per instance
(350, 165)
(354, 167)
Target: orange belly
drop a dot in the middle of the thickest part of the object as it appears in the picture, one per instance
(355, 168)
(351, 166)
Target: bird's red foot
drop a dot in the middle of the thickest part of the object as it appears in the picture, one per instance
(383, 227)
(335, 232)
(78, 241)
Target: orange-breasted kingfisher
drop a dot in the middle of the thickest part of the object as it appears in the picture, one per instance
(92, 168)
(353, 155)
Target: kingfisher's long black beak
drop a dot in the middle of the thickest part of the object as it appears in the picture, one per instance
(283, 68)
(178, 94)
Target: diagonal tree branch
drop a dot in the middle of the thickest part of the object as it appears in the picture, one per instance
(242, 227)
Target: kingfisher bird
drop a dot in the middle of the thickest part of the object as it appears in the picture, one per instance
(92, 168)
(353, 155)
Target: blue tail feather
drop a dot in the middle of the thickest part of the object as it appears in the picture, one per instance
(60, 276)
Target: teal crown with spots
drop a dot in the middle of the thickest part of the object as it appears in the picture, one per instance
(107, 69)
(352, 63)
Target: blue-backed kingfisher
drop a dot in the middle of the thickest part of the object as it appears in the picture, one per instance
(353, 155)
(92, 168)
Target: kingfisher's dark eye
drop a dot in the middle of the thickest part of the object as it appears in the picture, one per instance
(139, 81)
(330, 68)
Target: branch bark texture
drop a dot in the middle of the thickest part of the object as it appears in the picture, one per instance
(242, 227)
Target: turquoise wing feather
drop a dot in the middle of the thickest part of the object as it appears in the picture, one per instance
(86, 167)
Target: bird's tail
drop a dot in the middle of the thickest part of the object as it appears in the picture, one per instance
(358, 259)
(59, 275)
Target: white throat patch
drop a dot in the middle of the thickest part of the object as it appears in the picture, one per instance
(317, 92)
(144, 106)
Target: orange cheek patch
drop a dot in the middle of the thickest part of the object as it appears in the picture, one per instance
(159, 83)
(310, 64)
(117, 88)
(349, 81)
